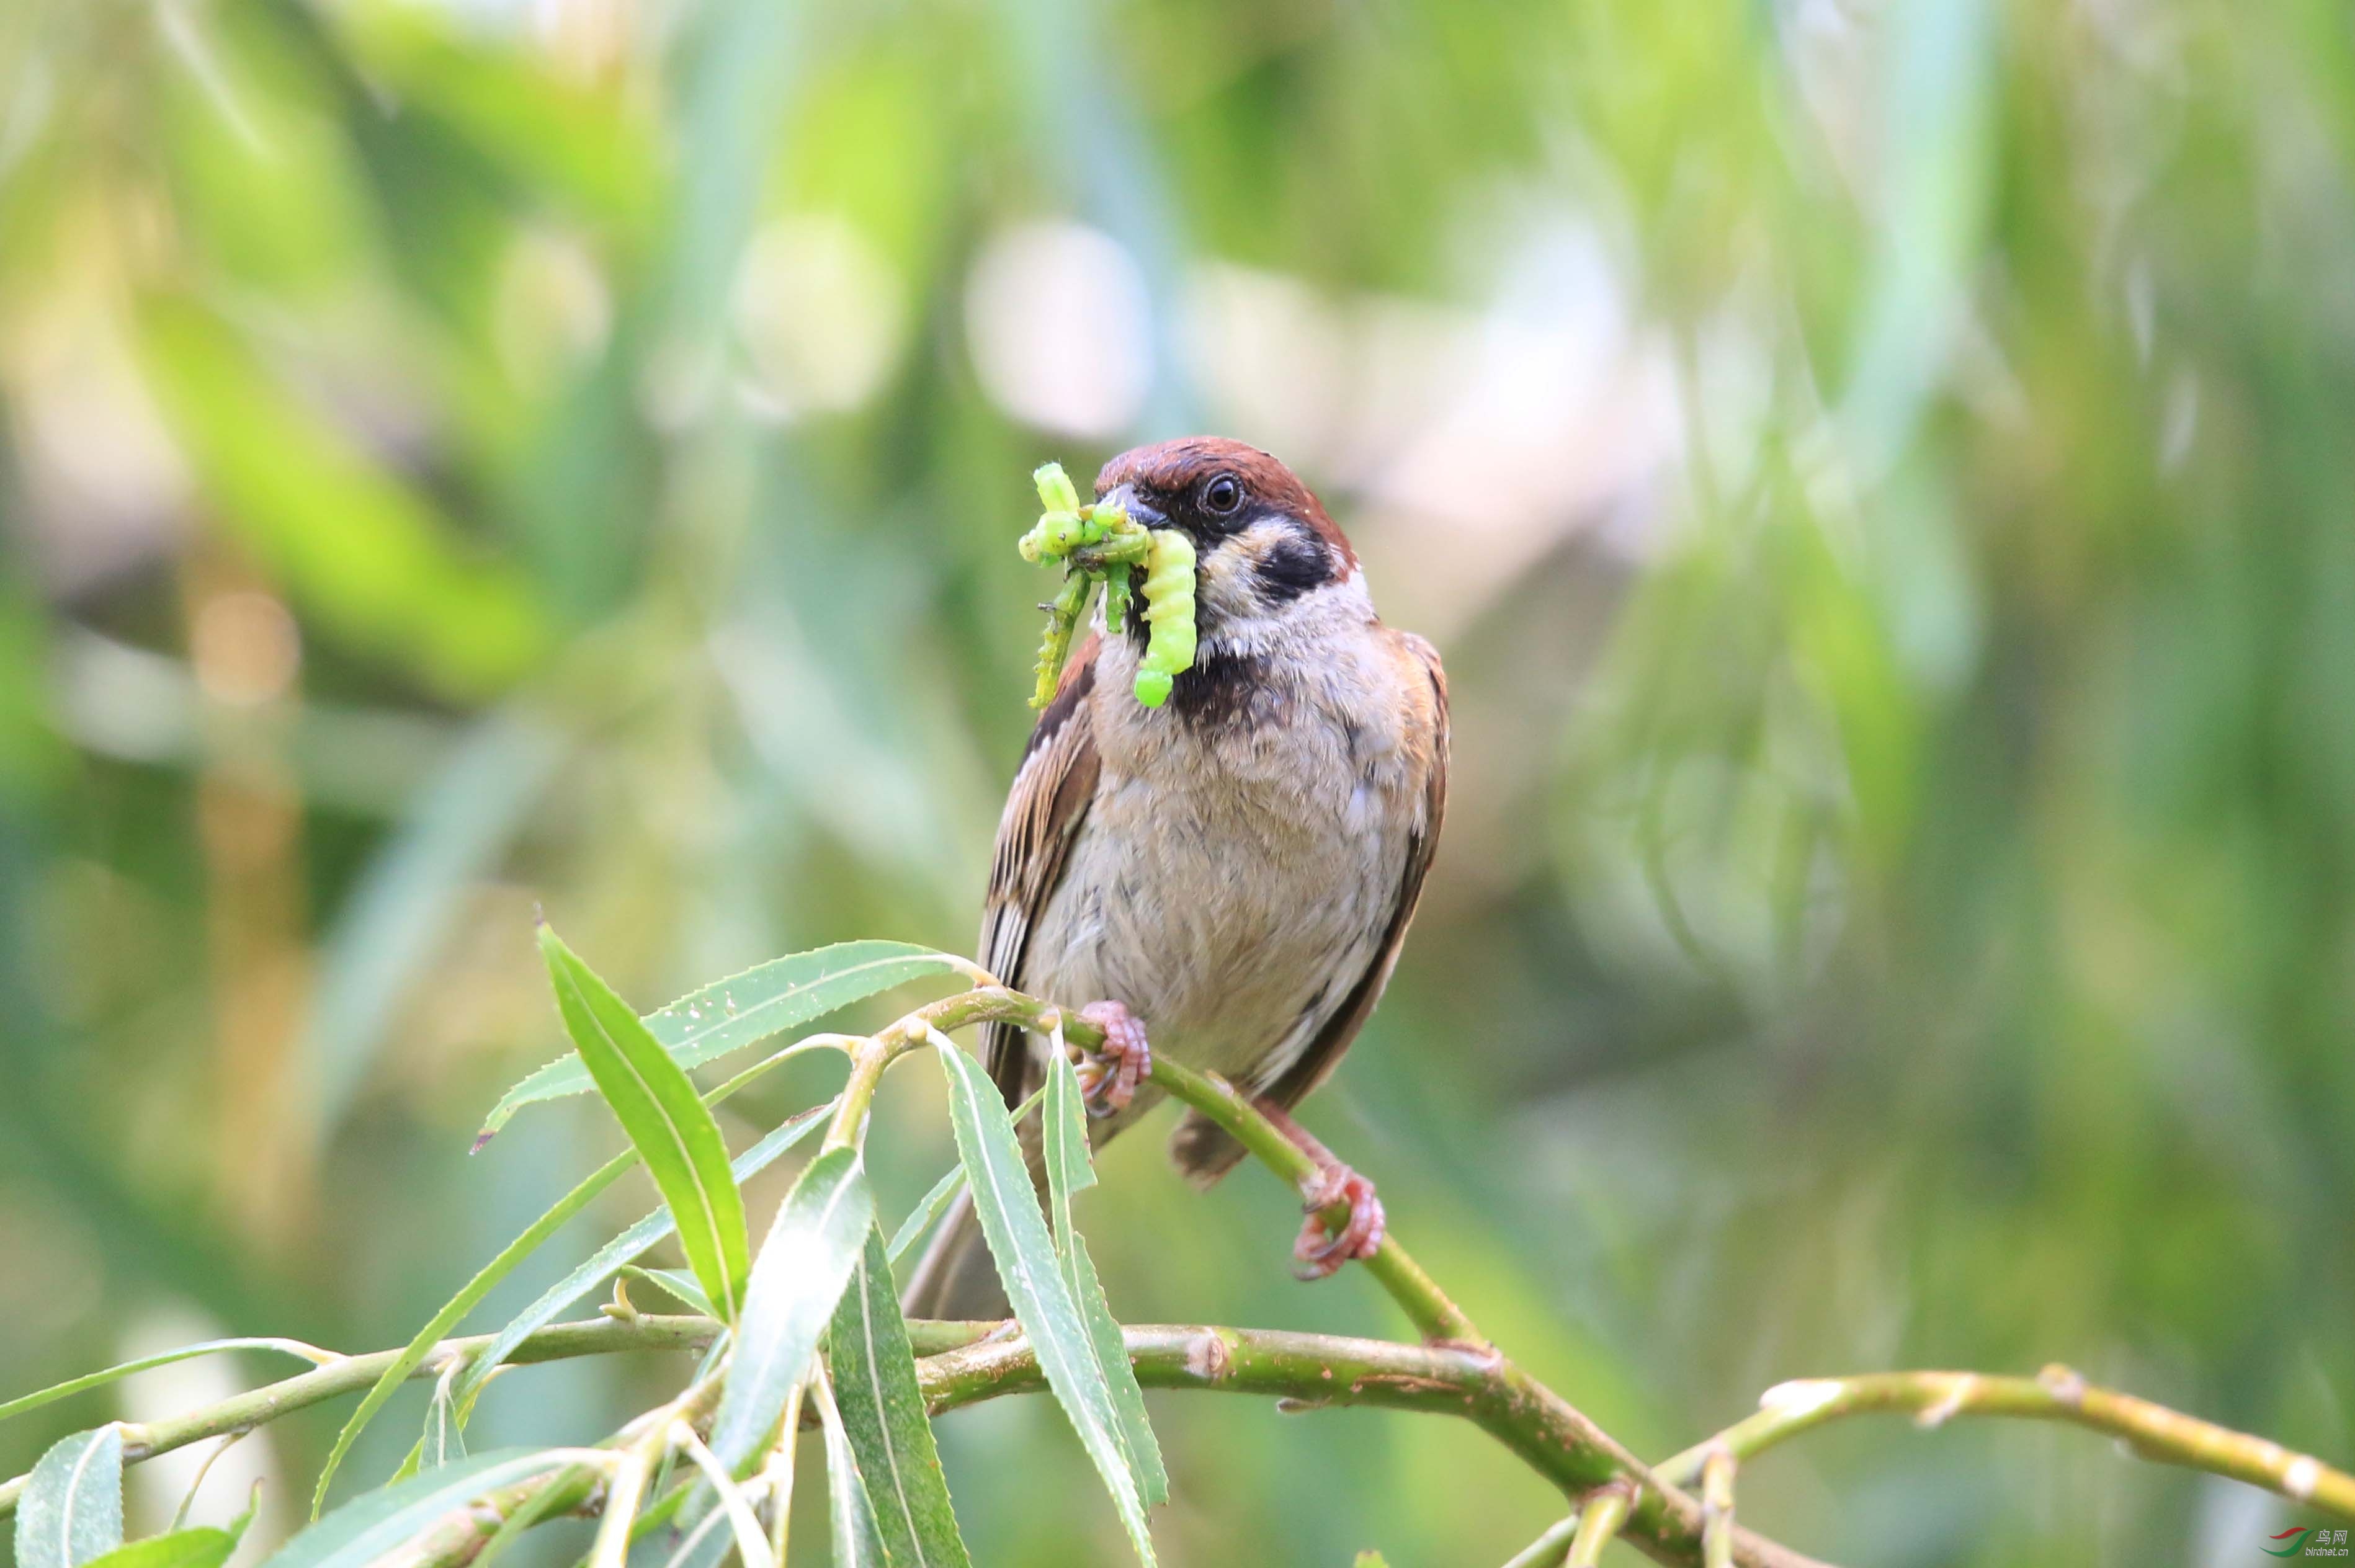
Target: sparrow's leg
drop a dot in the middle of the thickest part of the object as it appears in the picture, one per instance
(1317, 1253)
(1110, 1075)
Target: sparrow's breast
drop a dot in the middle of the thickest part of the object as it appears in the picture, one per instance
(1240, 861)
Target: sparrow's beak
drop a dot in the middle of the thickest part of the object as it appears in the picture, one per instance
(1140, 511)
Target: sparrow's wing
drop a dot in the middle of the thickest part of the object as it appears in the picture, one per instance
(1051, 792)
(1203, 1150)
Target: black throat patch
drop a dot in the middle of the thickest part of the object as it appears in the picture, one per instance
(1220, 690)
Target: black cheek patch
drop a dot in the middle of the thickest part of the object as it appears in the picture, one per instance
(1293, 567)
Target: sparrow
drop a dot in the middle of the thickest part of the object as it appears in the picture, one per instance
(1229, 875)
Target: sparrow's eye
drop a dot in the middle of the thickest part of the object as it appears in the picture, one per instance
(1223, 496)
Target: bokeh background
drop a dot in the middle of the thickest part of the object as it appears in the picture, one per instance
(1877, 471)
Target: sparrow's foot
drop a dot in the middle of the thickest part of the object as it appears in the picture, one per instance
(1321, 1250)
(1109, 1075)
(1317, 1253)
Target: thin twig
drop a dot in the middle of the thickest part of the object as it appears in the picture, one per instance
(1548, 1550)
(1717, 1507)
(1598, 1524)
(2056, 1394)
(1426, 1306)
(351, 1374)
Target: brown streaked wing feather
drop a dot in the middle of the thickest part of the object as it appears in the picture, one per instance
(1203, 1150)
(1044, 808)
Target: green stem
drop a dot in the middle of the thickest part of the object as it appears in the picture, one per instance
(867, 1063)
(1317, 1371)
(1417, 1294)
(2056, 1394)
(1716, 1509)
(243, 1412)
(1548, 1550)
(1598, 1522)
(1427, 1307)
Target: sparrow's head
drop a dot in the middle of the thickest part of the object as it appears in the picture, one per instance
(1268, 558)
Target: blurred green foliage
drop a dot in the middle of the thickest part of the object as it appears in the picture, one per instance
(1898, 906)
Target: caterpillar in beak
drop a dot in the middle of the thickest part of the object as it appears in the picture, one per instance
(1101, 543)
(1169, 614)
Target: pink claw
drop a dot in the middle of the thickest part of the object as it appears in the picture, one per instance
(1108, 1075)
(1320, 1256)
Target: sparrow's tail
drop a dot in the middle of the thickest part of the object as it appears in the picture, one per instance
(1203, 1150)
(956, 1278)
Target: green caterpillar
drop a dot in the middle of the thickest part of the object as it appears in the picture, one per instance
(1096, 543)
(1169, 612)
(1056, 646)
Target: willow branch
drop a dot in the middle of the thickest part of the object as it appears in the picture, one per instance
(353, 1374)
(1582, 1457)
(2152, 1430)
(1320, 1371)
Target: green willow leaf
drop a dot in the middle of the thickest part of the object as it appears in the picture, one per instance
(742, 1009)
(1008, 1206)
(681, 1287)
(657, 1106)
(707, 1545)
(882, 1412)
(935, 1204)
(1064, 1133)
(412, 1356)
(743, 1525)
(203, 1547)
(927, 1213)
(857, 1539)
(374, 1523)
(97, 1379)
(631, 1243)
(512, 1528)
(71, 1509)
(803, 1265)
(411, 1462)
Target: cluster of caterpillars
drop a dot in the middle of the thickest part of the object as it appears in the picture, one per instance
(1102, 543)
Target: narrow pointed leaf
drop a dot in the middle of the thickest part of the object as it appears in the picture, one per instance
(803, 1265)
(883, 1415)
(1111, 1358)
(97, 1379)
(411, 1463)
(511, 1528)
(680, 1287)
(705, 1546)
(485, 1278)
(657, 1106)
(926, 1213)
(857, 1539)
(751, 1545)
(631, 1243)
(203, 1547)
(745, 1009)
(1008, 1207)
(374, 1523)
(557, 1297)
(1064, 1131)
(935, 1203)
(71, 1509)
